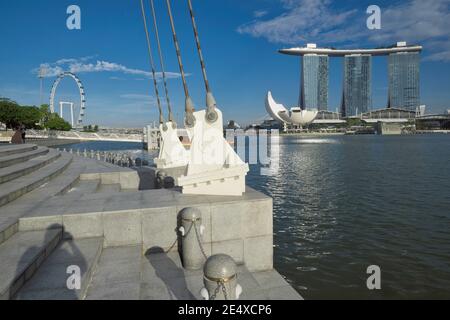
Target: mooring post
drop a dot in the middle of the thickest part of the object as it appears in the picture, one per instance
(220, 279)
(160, 177)
(192, 230)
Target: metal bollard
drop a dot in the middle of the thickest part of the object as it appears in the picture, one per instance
(160, 177)
(138, 162)
(191, 244)
(220, 279)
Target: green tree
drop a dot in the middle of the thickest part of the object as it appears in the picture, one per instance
(55, 122)
(13, 115)
(354, 122)
(45, 114)
(9, 113)
(29, 117)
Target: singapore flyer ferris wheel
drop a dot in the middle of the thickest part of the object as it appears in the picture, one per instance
(63, 75)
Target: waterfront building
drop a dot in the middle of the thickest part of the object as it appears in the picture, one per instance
(357, 88)
(404, 82)
(314, 82)
(404, 65)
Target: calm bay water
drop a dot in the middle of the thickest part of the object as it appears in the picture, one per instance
(344, 203)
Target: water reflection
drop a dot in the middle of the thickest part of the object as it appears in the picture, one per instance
(345, 203)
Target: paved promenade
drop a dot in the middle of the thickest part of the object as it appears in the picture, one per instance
(59, 210)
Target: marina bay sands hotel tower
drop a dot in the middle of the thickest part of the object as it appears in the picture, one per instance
(403, 69)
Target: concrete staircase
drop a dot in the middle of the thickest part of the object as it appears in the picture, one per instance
(27, 173)
(21, 256)
(30, 178)
(22, 173)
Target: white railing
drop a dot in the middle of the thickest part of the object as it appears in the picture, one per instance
(84, 136)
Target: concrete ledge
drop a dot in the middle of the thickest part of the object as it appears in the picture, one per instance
(6, 161)
(128, 180)
(9, 149)
(238, 226)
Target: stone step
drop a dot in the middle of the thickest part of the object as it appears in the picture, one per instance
(109, 188)
(24, 168)
(117, 275)
(22, 255)
(13, 159)
(126, 273)
(9, 149)
(50, 281)
(84, 187)
(12, 212)
(12, 190)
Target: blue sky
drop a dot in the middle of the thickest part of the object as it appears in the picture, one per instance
(240, 40)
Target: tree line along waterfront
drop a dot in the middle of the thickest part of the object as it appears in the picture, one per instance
(13, 115)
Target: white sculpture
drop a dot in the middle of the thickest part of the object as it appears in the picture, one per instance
(214, 167)
(296, 116)
(172, 153)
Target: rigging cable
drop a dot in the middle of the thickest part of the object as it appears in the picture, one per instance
(189, 109)
(161, 117)
(211, 114)
(161, 59)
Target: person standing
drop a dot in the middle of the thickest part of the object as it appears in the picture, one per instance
(23, 130)
(17, 137)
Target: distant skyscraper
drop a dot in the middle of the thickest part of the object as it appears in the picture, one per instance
(314, 87)
(357, 94)
(404, 83)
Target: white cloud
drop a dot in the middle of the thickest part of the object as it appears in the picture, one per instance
(82, 65)
(302, 21)
(415, 21)
(260, 13)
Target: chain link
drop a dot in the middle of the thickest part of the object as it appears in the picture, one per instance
(216, 291)
(224, 290)
(200, 242)
(220, 285)
(176, 240)
(187, 233)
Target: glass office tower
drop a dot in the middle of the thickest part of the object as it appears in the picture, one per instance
(404, 83)
(314, 82)
(357, 93)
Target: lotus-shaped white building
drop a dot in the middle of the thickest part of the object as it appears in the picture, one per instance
(295, 116)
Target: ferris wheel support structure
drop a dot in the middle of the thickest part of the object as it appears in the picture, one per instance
(82, 95)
